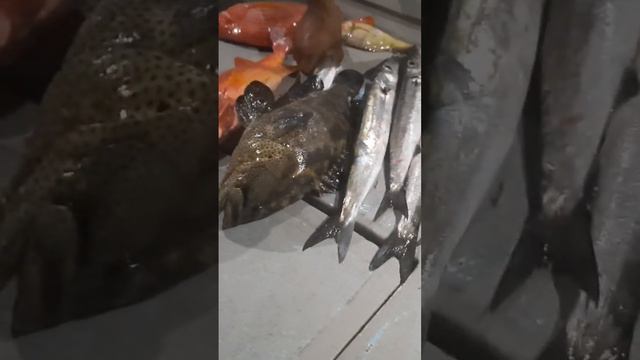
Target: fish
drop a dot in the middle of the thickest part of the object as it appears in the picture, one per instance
(369, 154)
(260, 24)
(270, 71)
(475, 108)
(406, 131)
(605, 328)
(581, 39)
(364, 36)
(114, 175)
(317, 40)
(288, 152)
(402, 243)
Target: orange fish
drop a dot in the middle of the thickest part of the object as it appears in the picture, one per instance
(260, 24)
(269, 71)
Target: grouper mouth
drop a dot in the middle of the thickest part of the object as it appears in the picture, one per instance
(230, 203)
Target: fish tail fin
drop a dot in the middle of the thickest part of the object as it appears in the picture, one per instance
(565, 242)
(343, 238)
(571, 250)
(384, 205)
(403, 249)
(399, 201)
(527, 255)
(328, 229)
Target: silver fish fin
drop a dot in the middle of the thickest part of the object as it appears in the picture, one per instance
(328, 229)
(527, 256)
(384, 206)
(343, 238)
(403, 249)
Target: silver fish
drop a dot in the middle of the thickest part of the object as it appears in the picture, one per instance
(588, 46)
(404, 240)
(575, 110)
(479, 84)
(593, 330)
(369, 154)
(405, 132)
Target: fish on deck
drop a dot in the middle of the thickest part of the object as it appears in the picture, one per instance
(369, 153)
(260, 24)
(605, 328)
(365, 36)
(270, 71)
(289, 151)
(586, 43)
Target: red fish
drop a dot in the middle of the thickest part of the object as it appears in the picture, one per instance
(260, 24)
(269, 71)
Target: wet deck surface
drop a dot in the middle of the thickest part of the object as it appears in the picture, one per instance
(278, 302)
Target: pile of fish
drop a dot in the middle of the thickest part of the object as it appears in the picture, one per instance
(583, 173)
(312, 33)
(316, 140)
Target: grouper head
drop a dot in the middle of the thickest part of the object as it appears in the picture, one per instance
(255, 189)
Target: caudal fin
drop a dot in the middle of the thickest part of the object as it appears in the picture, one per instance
(395, 199)
(384, 206)
(344, 239)
(571, 250)
(403, 249)
(565, 242)
(332, 228)
(527, 256)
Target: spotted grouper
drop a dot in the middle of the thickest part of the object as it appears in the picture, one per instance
(289, 151)
(123, 159)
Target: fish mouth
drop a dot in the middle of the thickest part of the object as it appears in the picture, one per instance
(230, 204)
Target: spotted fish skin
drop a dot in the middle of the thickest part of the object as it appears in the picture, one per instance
(290, 151)
(124, 148)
